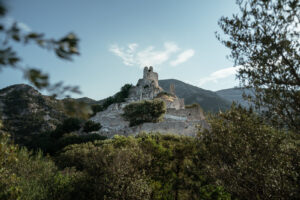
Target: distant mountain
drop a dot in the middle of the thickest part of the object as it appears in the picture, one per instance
(87, 100)
(208, 100)
(236, 95)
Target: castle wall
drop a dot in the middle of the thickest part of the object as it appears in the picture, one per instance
(177, 120)
(192, 114)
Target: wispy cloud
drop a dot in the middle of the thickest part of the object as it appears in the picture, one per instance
(184, 56)
(149, 56)
(220, 74)
(9, 21)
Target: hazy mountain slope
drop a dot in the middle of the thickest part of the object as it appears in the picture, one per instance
(208, 100)
(235, 95)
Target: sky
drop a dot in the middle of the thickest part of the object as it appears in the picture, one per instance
(119, 37)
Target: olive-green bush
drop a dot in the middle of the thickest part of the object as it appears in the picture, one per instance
(144, 111)
(149, 166)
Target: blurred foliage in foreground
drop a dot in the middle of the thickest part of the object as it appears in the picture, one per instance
(64, 48)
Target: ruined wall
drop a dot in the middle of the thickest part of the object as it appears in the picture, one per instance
(181, 122)
(192, 114)
(177, 119)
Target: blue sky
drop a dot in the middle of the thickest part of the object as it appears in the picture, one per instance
(119, 37)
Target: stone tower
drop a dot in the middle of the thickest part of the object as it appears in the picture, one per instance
(147, 87)
(172, 89)
(149, 74)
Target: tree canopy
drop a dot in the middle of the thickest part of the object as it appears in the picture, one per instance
(264, 39)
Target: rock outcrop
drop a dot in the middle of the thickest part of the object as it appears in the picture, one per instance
(177, 119)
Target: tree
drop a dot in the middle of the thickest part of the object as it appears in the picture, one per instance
(65, 48)
(264, 40)
(25, 175)
(250, 159)
(90, 126)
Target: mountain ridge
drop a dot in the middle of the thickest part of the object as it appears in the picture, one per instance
(208, 100)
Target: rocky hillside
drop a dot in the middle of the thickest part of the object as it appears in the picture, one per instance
(208, 100)
(25, 111)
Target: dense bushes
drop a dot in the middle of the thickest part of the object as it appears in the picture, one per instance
(90, 126)
(249, 158)
(144, 111)
(64, 134)
(239, 157)
(50, 145)
(145, 167)
(68, 125)
(150, 166)
(28, 176)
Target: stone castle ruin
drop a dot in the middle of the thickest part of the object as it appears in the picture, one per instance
(147, 87)
(177, 120)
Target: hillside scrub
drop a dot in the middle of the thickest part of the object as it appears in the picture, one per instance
(144, 111)
(149, 166)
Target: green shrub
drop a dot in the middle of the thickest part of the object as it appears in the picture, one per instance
(123, 94)
(96, 108)
(144, 111)
(90, 126)
(68, 125)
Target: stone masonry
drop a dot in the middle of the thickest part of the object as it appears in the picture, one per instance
(177, 119)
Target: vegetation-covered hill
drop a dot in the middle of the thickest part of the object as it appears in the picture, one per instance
(208, 100)
(25, 111)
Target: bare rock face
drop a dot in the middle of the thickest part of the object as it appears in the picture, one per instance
(177, 119)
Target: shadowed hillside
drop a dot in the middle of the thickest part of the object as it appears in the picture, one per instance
(208, 100)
